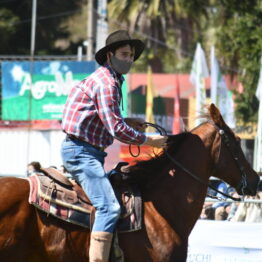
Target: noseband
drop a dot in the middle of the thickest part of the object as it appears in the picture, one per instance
(224, 138)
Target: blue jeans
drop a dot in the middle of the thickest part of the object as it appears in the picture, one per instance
(86, 165)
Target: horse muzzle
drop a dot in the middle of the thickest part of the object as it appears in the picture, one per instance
(248, 188)
(249, 191)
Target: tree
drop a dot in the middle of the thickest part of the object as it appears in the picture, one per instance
(168, 27)
(239, 41)
(7, 30)
(15, 25)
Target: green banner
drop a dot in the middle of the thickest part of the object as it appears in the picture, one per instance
(39, 91)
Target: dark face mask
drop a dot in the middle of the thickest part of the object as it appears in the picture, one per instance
(120, 66)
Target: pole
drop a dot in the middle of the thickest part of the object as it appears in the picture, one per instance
(32, 53)
(33, 26)
(90, 26)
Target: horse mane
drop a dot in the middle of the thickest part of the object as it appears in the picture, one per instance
(145, 172)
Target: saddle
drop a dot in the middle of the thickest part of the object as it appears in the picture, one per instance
(53, 193)
(68, 191)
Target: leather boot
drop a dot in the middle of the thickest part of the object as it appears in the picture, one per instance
(100, 244)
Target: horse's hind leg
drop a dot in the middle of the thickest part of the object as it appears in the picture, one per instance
(17, 221)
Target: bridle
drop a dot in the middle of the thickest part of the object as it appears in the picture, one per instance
(224, 139)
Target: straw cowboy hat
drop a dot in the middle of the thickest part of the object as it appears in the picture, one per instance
(118, 38)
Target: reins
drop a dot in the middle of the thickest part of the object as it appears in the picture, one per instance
(163, 132)
(160, 129)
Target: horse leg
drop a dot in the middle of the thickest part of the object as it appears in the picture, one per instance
(135, 246)
(17, 222)
(157, 242)
(62, 241)
(179, 253)
(139, 247)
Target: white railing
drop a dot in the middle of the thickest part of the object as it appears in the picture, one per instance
(255, 201)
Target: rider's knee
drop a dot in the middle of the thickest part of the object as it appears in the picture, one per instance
(110, 211)
(115, 210)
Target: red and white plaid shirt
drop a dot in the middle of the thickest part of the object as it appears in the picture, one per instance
(92, 111)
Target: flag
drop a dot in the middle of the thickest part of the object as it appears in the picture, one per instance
(176, 122)
(198, 74)
(258, 139)
(150, 100)
(220, 95)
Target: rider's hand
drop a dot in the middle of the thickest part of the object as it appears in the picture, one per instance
(136, 123)
(156, 141)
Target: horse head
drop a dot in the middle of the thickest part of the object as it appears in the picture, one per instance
(230, 163)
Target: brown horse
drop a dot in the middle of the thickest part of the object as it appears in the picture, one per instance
(173, 200)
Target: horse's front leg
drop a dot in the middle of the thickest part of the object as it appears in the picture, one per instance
(156, 242)
(166, 245)
(179, 253)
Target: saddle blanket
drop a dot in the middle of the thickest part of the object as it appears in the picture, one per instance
(46, 199)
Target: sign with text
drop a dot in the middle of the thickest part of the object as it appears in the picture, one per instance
(224, 241)
(38, 90)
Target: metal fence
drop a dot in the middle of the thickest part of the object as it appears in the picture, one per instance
(38, 58)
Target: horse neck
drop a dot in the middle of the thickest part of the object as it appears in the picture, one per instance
(177, 196)
(210, 139)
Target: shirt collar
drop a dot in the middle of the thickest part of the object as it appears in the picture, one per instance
(117, 76)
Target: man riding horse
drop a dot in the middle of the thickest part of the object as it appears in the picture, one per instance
(91, 120)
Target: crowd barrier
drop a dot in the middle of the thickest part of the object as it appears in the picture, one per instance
(223, 241)
(246, 200)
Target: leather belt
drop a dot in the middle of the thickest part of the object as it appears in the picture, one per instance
(72, 137)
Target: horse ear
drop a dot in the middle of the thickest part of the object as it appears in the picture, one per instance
(216, 115)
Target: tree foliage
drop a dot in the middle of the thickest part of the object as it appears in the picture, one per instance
(7, 30)
(240, 46)
(167, 27)
(15, 25)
